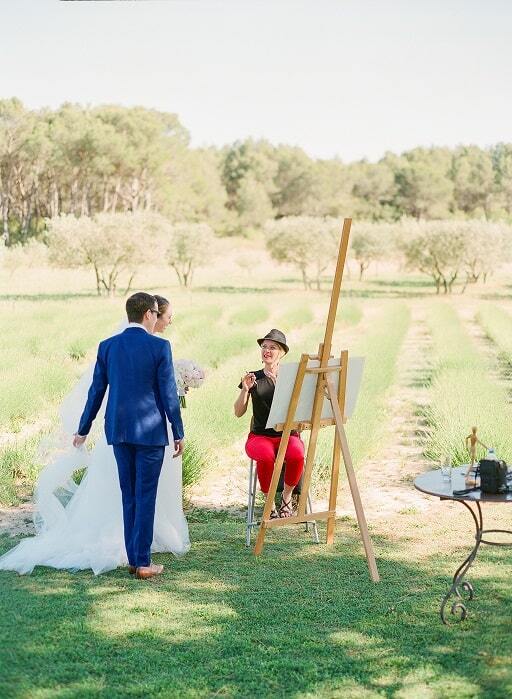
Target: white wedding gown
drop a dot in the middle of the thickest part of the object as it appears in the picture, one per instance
(81, 527)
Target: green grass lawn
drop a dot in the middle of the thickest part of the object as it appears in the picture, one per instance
(303, 620)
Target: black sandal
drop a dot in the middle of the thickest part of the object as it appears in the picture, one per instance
(286, 509)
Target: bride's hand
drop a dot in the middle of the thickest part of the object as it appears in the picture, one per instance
(178, 447)
(78, 440)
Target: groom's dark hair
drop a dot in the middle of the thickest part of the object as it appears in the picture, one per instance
(138, 304)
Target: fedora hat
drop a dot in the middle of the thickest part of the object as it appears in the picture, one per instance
(275, 336)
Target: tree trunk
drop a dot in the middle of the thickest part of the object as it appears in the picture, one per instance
(54, 200)
(115, 198)
(26, 227)
(304, 278)
(451, 281)
(178, 272)
(98, 280)
(25, 218)
(187, 274)
(128, 288)
(106, 201)
(74, 197)
(84, 207)
(5, 222)
(109, 286)
(112, 281)
(135, 194)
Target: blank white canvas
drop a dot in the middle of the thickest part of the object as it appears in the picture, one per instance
(286, 380)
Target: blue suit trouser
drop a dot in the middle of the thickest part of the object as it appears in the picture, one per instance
(139, 469)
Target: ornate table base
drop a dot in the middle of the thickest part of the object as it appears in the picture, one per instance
(457, 606)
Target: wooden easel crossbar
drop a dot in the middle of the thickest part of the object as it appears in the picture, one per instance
(325, 388)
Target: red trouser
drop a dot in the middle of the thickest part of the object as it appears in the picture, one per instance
(264, 451)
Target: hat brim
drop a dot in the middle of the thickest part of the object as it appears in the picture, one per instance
(281, 344)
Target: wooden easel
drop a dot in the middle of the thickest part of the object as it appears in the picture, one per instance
(325, 387)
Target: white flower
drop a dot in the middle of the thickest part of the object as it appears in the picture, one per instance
(188, 375)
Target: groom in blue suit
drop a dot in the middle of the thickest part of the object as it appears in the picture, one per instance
(137, 368)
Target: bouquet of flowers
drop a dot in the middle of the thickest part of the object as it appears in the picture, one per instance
(188, 375)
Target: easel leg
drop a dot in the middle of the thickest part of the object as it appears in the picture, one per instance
(361, 519)
(333, 493)
(336, 451)
(347, 458)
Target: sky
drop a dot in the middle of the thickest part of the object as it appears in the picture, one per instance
(350, 79)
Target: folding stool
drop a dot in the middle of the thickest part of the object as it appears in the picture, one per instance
(251, 522)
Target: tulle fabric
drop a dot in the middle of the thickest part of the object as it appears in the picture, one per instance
(81, 527)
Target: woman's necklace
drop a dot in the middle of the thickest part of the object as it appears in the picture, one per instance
(271, 375)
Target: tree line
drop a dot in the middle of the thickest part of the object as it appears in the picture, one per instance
(447, 251)
(87, 161)
(114, 245)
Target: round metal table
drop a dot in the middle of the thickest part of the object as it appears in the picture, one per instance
(432, 483)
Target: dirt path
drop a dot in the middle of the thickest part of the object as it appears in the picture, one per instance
(15, 521)
(385, 481)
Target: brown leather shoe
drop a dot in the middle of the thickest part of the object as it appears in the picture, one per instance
(145, 572)
(132, 570)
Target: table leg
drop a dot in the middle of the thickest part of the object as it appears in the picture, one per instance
(458, 608)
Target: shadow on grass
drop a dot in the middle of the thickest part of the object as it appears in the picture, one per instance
(495, 296)
(50, 297)
(300, 621)
(239, 289)
(403, 283)
(386, 293)
(367, 289)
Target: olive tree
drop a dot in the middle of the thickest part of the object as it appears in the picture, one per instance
(113, 245)
(487, 248)
(370, 241)
(307, 243)
(190, 245)
(436, 248)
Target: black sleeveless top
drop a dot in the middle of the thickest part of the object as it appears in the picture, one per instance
(262, 394)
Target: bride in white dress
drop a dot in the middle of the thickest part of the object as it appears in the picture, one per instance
(81, 527)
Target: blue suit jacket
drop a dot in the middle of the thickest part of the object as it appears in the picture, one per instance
(137, 368)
